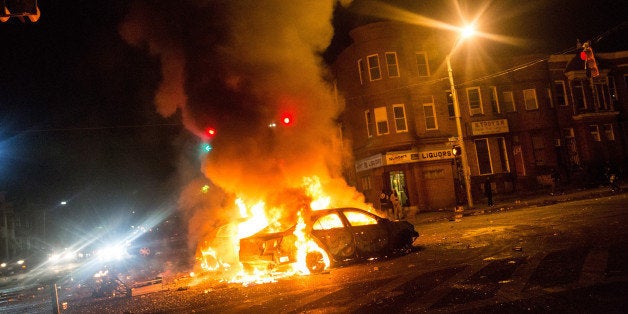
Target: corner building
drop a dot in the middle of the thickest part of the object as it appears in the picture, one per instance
(523, 118)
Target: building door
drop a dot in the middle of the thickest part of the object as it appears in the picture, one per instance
(398, 183)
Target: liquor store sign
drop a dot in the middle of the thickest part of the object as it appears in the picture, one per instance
(394, 158)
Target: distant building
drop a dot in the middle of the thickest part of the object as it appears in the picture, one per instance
(21, 232)
(523, 117)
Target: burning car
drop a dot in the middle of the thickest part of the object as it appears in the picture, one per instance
(340, 235)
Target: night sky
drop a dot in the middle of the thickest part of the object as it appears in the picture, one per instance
(77, 114)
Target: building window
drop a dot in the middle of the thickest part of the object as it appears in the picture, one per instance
(612, 90)
(391, 64)
(374, 71)
(595, 132)
(381, 120)
(361, 71)
(475, 100)
(560, 94)
(430, 113)
(370, 123)
(400, 118)
(538, 150)
(503, 154)
(422, 65)
(484, 156)
(509, 102)
(529, 97)
(601, 97)
(549, 96)
(450, 103)
(609, 135)
(493, 99)
(366, 183)
(578, 95)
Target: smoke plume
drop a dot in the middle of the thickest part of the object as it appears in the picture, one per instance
(238, 66)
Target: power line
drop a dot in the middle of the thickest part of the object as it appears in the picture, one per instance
(97, 128)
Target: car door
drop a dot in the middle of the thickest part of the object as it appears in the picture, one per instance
(371, 238)
(335, 235)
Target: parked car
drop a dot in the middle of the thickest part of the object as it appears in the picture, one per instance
(345, 234)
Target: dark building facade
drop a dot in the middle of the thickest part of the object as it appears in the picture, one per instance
(523, 118)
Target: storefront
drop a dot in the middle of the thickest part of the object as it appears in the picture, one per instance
(423, 179)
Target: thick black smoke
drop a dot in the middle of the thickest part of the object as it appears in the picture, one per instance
(238, 66)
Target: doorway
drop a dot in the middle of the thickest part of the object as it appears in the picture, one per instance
(398, 183)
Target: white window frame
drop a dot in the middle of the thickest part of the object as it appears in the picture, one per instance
(429, 107)
(575, 87)
(369, 119)
(394, 66)
(488, 149)
(612, 90)
(530, 100)
(449, 99)
(361, 70)
(594, 129)
(426, 65)
(609, 133)
(509, 95)
(494, 99)
(563, 92)
(479, 109)
(373, 68)
(381, 116)
(401, 119)
(366, 183)
(601, 95)
(503, 153)
(549, 96)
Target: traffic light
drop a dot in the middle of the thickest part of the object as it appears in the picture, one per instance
(287, 119)
(208, 134)
(456, 150)
(590, 64)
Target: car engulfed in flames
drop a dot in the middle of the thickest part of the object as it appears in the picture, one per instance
(332, 237)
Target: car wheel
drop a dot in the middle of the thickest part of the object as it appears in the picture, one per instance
(315, 262)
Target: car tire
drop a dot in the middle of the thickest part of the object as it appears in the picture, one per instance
(315, 262)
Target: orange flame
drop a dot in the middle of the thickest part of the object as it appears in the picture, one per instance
(256, 218)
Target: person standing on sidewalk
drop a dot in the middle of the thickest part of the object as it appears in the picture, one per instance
(386, 204)
(488, 191)
(396, 203)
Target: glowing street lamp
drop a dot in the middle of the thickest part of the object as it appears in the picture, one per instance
(465, 33)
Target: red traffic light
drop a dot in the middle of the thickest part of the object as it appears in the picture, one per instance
(583, 55)
(210, 132)
(287, 119)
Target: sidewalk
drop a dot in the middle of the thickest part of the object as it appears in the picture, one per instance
(518, 200)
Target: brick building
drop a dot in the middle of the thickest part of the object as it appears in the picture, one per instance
(522, 117)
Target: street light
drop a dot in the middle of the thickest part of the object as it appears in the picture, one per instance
(466, 32)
